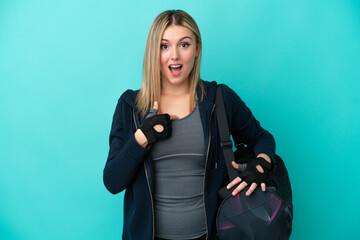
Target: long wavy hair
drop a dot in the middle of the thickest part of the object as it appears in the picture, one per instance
(151, 84)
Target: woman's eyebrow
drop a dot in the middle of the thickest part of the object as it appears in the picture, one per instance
(163, 39)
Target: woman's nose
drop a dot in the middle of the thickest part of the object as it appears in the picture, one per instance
(174, 54)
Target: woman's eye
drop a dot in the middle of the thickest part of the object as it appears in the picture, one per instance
(163, 46)
(185, 45)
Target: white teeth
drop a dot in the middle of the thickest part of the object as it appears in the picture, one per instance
(175, 66)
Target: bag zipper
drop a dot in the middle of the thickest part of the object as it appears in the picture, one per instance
(148, 183)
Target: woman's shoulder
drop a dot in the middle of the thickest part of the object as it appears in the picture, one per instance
(129, 97)
(129, 94)
(210, 86)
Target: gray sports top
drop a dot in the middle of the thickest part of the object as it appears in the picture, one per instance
(179, 166)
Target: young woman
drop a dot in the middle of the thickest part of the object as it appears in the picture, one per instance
(164, 143)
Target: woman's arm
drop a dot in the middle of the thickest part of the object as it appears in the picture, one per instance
(246, 129)
(125, 154)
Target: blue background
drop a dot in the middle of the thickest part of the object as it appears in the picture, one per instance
(63, 65)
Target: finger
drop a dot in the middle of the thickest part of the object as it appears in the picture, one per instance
(159, 128)
(173, 117)
(239, 188)
(156, 105)
(251, 189)
(259, 168)
(153, 111)
(234, 164)
(233, 183)
(263, 187)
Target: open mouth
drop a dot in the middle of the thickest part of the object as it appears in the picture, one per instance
(175, 69)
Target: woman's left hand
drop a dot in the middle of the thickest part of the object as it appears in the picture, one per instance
(243, 184)
(254, 174)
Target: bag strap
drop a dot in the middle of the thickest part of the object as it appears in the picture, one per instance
(226, 143)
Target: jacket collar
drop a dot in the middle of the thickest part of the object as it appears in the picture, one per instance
(129, 96)
(210, 91)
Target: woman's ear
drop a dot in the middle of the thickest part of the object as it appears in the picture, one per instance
(198, 49)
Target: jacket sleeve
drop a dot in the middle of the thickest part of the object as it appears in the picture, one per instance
(244, 127)
(125, 154)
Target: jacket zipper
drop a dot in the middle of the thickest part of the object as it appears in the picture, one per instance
(148, 183)
(207, 156)
(152, 201)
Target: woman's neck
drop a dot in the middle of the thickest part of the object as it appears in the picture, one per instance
(175, 90)
(175, 99)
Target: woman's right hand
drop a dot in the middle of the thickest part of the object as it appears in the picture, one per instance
(155, 126)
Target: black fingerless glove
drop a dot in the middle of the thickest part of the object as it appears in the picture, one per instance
(148, 127)
(251, 174)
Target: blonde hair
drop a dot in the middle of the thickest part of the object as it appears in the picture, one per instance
(151, 84)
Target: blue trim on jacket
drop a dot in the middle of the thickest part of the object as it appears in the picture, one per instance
(129, 166)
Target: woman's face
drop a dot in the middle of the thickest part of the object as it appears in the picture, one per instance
(177, 54)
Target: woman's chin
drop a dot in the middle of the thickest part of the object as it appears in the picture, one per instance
(176, 80)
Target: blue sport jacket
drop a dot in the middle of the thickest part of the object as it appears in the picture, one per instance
(129, 166)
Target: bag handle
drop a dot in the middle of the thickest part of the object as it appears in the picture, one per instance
(226, 143)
